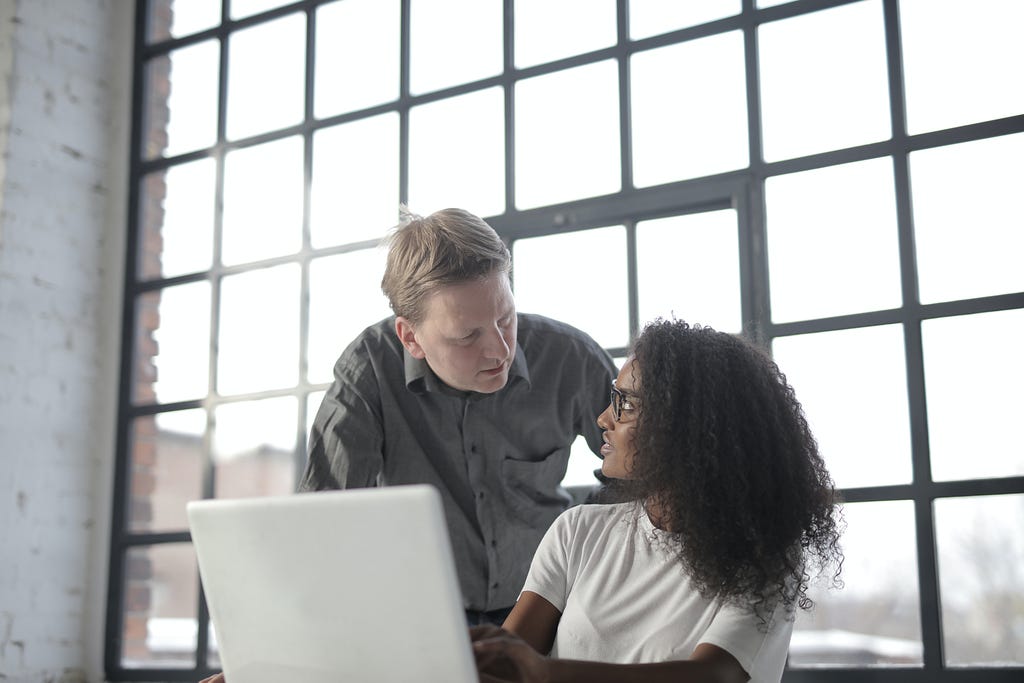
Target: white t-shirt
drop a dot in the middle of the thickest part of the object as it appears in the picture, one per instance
(624, 597)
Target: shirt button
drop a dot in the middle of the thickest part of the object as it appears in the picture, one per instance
(494, 543)
(480, 495)
(473, 448)
(494, 585)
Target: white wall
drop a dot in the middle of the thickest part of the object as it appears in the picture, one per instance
(65, 68)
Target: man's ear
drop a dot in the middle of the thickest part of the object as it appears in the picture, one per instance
(407, 335)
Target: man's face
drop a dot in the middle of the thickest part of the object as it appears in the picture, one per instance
(468, 334)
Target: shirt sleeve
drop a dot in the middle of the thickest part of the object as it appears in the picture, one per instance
(549, 571)
(760, 648)
(347, 438)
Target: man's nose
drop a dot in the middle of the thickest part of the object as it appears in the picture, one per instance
(497, 346)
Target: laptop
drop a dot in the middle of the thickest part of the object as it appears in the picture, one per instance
(354, 585)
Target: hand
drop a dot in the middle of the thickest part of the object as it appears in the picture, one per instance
(503, 656)
(216, 678)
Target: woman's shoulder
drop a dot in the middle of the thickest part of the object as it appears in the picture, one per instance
(595, 516)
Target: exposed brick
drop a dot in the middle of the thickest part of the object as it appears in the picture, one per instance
(64, 98)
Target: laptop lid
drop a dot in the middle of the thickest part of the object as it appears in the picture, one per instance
(354, 585)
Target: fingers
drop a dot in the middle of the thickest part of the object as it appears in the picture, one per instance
(216, 678)
(484, 677)
(509, 657)
(484, 631)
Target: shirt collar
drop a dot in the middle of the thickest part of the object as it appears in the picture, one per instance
(420, 379)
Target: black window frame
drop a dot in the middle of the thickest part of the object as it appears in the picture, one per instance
(742, 190)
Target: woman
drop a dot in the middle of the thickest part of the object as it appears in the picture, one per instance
(699, 576)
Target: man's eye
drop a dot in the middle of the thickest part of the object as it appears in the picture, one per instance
(627, 404)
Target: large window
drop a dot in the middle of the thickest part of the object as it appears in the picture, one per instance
(837, 180)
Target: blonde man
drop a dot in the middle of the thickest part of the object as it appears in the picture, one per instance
(460, 391)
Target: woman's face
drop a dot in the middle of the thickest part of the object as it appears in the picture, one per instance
(618, 449)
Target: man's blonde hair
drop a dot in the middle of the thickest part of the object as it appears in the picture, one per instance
(447, 247)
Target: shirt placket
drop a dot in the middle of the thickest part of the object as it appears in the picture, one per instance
(478, 462)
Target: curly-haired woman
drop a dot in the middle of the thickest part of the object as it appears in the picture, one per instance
(699, 576)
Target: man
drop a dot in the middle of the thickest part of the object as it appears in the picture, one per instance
(459, 391)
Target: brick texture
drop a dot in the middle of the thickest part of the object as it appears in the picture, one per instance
(64, 88)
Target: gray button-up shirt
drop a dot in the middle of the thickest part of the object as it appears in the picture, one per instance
(497, 459)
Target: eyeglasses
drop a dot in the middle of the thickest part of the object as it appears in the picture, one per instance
(621, 403)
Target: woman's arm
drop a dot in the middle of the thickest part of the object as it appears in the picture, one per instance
(707, 664)
(535, 620)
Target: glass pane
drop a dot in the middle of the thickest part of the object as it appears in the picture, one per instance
(981, 571)
(547, 30)
(857, 408)
(771, 3)
(875, 619)
(259, 330)
(262, 201)
(688, 267)
(344, 298)
(698, 126)
(266, 81)
(172, 344)
(246, 8)
(166, 469)
(177, 18)
(582, 463)
(840, 97)
(453, 42)
(651, 17)
(962, 63)
(567, 135)
(968, 221)
(457, 154)
(818, 255)
(357, 50)
(176, 214)
(160, 602)
(254, 448)
(974, 369)
(354, 195)
(181, 100)
(587, 291)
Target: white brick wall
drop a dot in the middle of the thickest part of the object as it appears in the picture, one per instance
(65, 68)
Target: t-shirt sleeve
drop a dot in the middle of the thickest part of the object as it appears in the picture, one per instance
(549, 571)
(760, 649)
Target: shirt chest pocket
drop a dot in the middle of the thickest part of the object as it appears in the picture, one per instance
(532, 487)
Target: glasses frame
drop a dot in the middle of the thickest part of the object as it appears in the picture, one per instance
(621, 401)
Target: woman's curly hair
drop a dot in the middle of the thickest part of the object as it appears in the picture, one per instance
(723, 447)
